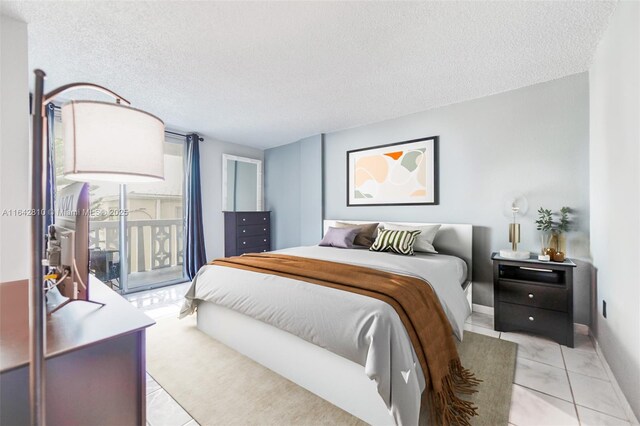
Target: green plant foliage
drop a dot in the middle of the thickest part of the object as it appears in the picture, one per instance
(563, 225)
(545, 220)
(547, 223)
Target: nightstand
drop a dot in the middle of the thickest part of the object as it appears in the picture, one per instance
(534, 296)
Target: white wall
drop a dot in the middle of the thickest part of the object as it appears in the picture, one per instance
(211, 152)
(14, 149)
(533, 140)
(615, 195)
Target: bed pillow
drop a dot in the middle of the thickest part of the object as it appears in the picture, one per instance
(424, 242)
(366, 232)
(339, 237)
(400, 242)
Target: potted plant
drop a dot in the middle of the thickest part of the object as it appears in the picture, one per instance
(552, 237)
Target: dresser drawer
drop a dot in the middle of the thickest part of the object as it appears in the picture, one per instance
(260, 249)
(253, 230)
(253, 241)
(519, 317)
(252, 218)
(539, 296)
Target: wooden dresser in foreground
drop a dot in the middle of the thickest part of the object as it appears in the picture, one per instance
(246, 232)
(94, 360)
(534, 296)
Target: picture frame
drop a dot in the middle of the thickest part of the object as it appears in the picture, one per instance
(396, 174)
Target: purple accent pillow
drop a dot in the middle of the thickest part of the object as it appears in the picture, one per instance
(339, 237)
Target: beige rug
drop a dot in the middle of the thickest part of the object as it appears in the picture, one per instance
(219, 386)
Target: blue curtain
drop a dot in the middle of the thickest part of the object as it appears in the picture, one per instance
(194, 252)
(50, 185)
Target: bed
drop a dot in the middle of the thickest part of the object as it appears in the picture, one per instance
(302, 331)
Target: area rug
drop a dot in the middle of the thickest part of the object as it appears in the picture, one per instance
(219, 386)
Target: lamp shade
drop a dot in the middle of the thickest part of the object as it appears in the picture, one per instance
(111, 142)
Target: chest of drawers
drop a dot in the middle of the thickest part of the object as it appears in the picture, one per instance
(534, 296)
(246, 232)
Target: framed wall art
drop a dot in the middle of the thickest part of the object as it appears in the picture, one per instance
(402, 173)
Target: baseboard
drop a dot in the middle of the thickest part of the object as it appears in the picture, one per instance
(482, 309)
(614, 382)
(581, 329)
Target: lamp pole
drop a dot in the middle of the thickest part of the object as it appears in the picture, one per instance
(36, 286)
(37, 312)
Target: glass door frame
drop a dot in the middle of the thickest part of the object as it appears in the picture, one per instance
(123, 248)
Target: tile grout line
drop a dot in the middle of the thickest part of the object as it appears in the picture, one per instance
(573, 397)
(535, 360)
(628, 412)
(174, 400)
(544, 393)
(602, 412)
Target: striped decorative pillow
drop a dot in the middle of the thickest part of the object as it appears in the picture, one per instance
(400, 242)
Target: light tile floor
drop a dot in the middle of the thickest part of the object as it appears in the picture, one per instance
(162, 409)
(554, 385)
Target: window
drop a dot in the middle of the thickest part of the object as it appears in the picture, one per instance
(153, 224)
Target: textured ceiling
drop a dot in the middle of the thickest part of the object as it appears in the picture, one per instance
(266, 74)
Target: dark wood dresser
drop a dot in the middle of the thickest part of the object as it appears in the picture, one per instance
(95, 359)
(534, 296)
(246, 232)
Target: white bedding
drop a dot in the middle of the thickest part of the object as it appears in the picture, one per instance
(446, 264)
(359, 328)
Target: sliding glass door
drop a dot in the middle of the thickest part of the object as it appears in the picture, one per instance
(155, 225)
(135, 230)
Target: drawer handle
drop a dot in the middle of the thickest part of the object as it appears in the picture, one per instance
(244, 220)
(264, 250)
(536, 269)
(264, 218)
(265, 240)
(264, 229)
(530, 295)
(244, 230)
(244, 242)
(530, 318)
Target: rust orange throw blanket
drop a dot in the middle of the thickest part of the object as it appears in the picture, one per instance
(418, 308)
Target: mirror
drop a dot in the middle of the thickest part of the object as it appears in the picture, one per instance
(241, 184)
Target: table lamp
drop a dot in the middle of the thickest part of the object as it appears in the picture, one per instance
(515, 205)
(96, 135)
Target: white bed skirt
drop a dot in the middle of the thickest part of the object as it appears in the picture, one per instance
(332, 377)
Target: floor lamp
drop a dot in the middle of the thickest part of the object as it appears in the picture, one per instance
(102, 141)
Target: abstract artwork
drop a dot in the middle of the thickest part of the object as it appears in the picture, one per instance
(394, 174)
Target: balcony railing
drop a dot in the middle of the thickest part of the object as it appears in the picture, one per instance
(151, 244)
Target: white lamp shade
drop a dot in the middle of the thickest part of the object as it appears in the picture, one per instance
(111, 142)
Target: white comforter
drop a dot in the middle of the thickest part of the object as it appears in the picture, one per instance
(362, 329)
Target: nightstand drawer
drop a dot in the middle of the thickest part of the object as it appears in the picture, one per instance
(519, 317)
(253, 230)
(253, 241)
(539, 296)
